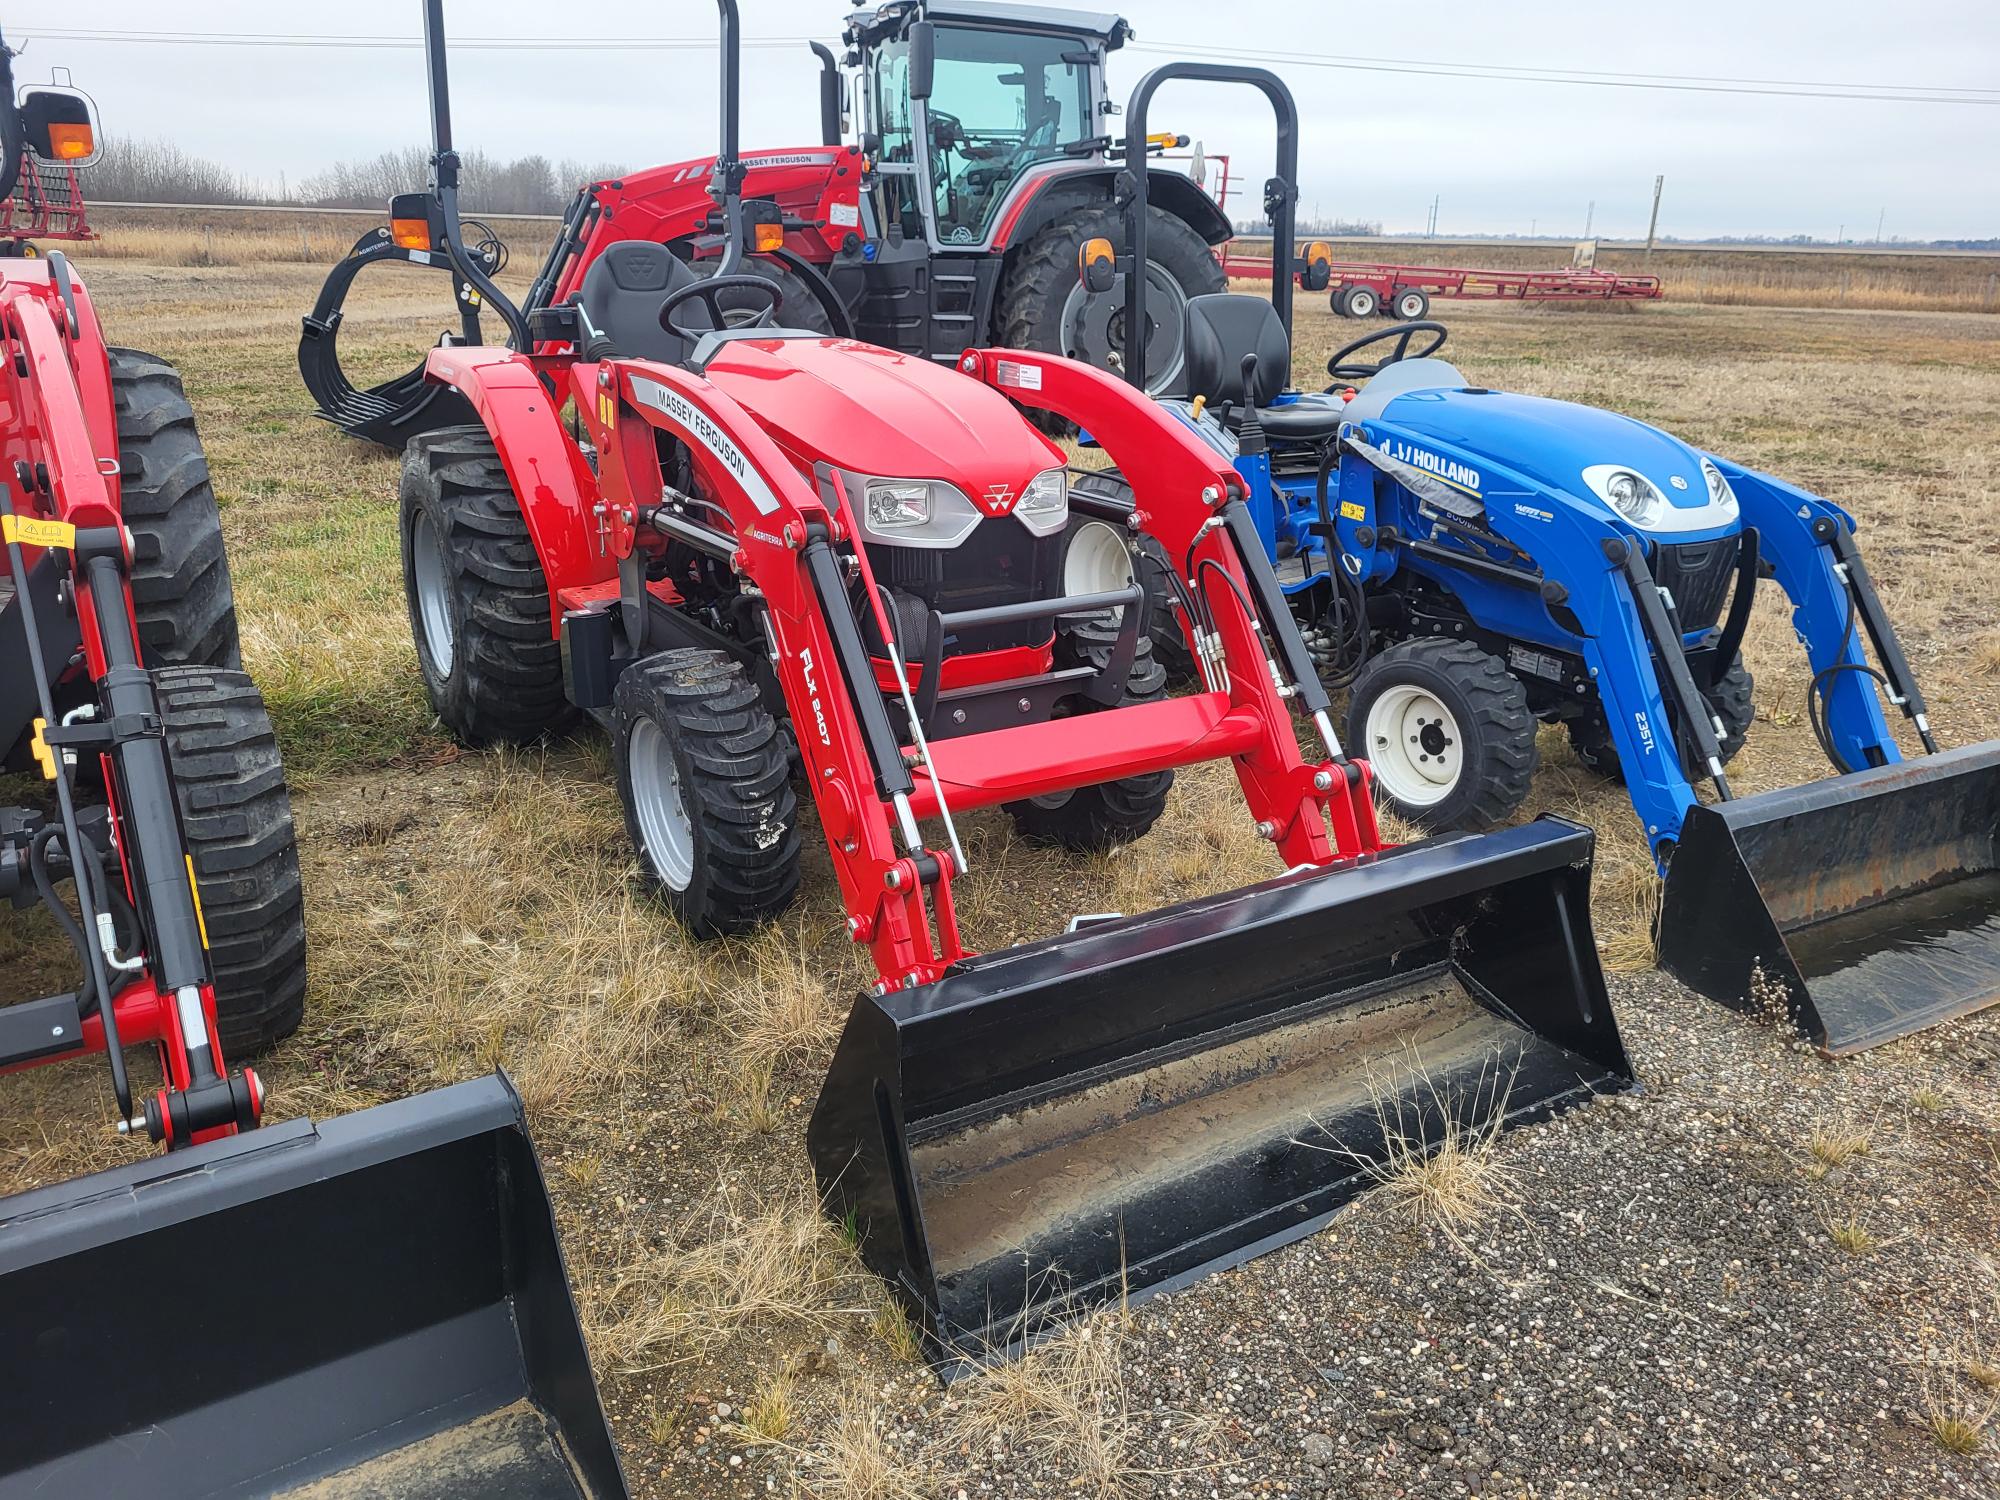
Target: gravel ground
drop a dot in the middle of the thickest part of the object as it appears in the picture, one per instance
(1662, 1312)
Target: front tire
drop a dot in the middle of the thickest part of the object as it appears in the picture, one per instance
(182, 598)
(1729, 700)
(705, 780)
(1447, 728)
(237, 817)
(1163, 620)
(478, 599)
(1094, 819)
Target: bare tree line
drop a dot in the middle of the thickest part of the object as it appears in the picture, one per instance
(132, 170)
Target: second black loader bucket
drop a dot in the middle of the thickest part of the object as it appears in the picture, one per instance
(1868, 905)
(1125, 1108)
(375, 1307)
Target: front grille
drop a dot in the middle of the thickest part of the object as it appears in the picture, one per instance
(999, 563)
(1697, 574)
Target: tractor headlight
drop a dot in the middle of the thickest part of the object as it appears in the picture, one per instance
(910, 512)
(896, 503)
(1628, 492)
(1719, 492)
(1044, 504)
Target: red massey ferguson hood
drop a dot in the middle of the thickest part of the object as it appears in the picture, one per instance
(872, 411)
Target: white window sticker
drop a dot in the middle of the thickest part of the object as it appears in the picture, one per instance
(845, 215)
(698, 427)
(1021, 377)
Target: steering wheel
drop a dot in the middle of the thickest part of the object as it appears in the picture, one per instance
(947, 130)
(1341, 367)
(709, 293)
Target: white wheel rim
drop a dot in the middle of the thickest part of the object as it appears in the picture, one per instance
(1411, 307)
(1097, 562)
(433, 593)
(658, 806)
(1361, 304)
(1415, 745)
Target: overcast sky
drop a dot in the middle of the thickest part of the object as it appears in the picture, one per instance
(1501, 156)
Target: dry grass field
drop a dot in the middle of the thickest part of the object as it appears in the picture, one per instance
(474, 910)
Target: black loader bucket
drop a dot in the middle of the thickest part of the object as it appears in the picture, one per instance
(396, 410)
(1868, 904)
(374, 1306)
(1131, 1106)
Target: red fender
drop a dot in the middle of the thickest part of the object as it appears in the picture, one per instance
(556, 490)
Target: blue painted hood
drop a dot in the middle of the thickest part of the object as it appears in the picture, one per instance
(1549, 443)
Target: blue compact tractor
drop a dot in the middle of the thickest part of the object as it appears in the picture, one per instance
(1471, 564)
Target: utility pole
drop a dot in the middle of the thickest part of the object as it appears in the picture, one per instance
(1841, 238)
(1590, 218)
(1431, 232)
(1880, 219)
(1653, 225)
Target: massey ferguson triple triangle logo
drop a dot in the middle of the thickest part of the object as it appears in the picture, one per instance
(998, 498)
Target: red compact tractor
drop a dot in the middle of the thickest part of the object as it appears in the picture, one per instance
(953, 217)
(773, 563)
(252, 1309)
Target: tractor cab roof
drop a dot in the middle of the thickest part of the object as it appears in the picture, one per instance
(871, 28)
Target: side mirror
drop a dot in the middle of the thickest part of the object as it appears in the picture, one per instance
(60, 125)
(923, 59)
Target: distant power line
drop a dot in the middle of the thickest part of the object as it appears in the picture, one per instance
(1585, 78)
(1697, 83)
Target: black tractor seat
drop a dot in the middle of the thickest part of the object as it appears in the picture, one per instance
(621, 297)
(1222, 327)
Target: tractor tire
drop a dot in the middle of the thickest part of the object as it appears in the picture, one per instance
(1040, 282)
(1093, 819)
(1409, 304)
(1590, 737)
(1447, 728)
(1163, 621)
(705, 778)
(1357, 302)
(181, 594)
(237, 818)
(800, 309)
(478, 599)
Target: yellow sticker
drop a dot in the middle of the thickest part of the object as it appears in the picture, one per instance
(44, 756)
(1350, 511)
(194, 890)
(31, 532)
(607, 409)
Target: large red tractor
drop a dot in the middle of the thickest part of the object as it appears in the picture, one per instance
(979, 169)
(251, 1309)
(773, 563)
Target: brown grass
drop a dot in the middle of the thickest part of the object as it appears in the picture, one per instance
(1437, 1171)
(854, 1459)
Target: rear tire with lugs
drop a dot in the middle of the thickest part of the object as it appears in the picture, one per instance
(237, 817)
(181, 593)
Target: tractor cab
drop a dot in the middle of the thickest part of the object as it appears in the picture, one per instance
(962, 102)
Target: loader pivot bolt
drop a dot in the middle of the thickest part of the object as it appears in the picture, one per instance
(894, 878)
(1322, 781)
(1211, 495)
(1266, 829)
